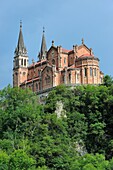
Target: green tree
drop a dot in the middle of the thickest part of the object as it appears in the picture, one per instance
(20, 160)
(90, 162)
(108, 80)
(54, 147)
(4, 160)
(41, 139)
(19, 115)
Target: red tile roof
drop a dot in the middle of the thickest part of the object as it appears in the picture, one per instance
(37, 63)
(85, 55)
(65, 50)
(28, 81)
(37, 78)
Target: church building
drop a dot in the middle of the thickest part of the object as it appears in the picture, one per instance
(55, 66)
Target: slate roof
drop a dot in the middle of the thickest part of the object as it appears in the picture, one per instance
(20, 49)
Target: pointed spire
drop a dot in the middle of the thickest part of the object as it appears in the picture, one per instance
(43, 50)
(21, 49)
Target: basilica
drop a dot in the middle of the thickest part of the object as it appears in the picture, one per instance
(55, 66)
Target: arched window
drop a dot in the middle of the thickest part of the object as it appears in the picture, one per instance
(95, 73)
(47, 79)
(64, 60)
(77, 76)
(85, 72)
(69, 78)
(22, 61)
(91, 71)
(17, 62)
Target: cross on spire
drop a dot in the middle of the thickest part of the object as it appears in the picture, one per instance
(20, 23)
(82, 40)
(43, 29)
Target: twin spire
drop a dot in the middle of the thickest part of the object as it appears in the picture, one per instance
(21, 49)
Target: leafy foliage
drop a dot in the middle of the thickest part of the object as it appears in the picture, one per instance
(108, 80)
(34, 137)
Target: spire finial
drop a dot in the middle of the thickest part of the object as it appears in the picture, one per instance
(33, 61)
(43, 29)
(82, 40)
(52, 43)
(20, 23)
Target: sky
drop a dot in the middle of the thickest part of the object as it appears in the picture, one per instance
(65, 21)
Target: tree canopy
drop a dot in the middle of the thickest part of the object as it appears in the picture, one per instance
(77, 136)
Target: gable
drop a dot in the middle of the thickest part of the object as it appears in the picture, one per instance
(47, 70)
(51, 51)
(83, 50)
(52, 56)
(47, 77)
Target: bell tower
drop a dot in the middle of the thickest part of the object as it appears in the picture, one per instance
(20, 62)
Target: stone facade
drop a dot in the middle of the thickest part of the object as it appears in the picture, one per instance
(55, 66)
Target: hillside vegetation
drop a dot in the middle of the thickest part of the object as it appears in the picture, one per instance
(73, 130)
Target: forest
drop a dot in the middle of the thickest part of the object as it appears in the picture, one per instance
(71, 130)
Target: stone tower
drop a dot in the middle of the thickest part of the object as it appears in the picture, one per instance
(20, 62)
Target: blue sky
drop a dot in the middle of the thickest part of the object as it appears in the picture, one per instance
(65, 21)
